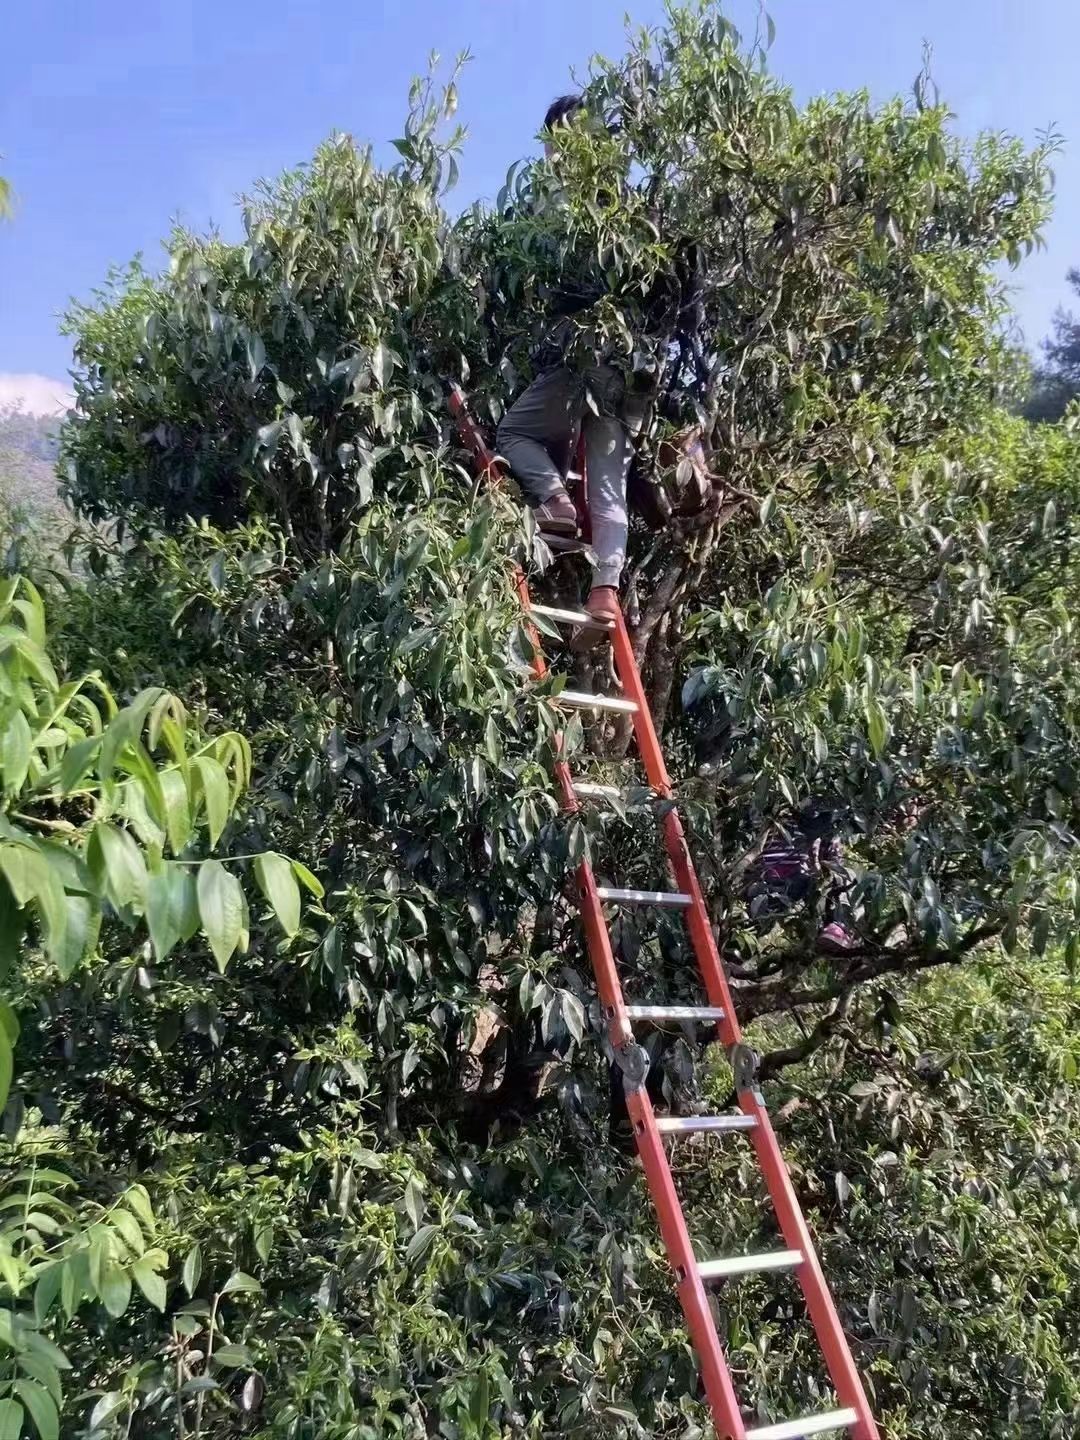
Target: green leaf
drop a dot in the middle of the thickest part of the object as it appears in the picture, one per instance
(308, 880)
(174, 792)
(12, 926)
(877, 727)
(30, 877)
(106, 1408)
(118, 865)
(11, 1419)
(41, 1406)
(114, 1288)
(7, 1054)
(420, 1241)
(383, 361)
(170, 894)
(129, 1228)
(150, 1283)
(234, 1355)
(215, 789)
(256, 351)
(25, 869)
(124, 728)
(221, 910)
(45, 1374)
(77, 761)
(414, 1202)
(193, 1268)
(137, 1199)
(41, 1346)
(32, 611)
(37, 664)
(47, 1289)
(277, 881)
(81, 935)
(15, 752)
(238, 1281)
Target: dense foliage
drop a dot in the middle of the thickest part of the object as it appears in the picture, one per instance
(88, 814)
(376, 1148)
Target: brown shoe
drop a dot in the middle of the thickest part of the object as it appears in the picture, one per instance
(557, 516)
(603, 603)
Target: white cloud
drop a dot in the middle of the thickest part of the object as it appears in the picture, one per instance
(39, 394)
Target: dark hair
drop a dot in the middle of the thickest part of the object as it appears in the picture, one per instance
(560, 110)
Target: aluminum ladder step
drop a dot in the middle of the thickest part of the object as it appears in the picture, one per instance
(581, 700)
(798, 1429)
(675, 1012)
(563, 544)
(571, 617)
(587, 790)
(665, 899)
(711, 1124)
(624, 794)
(733, 1265)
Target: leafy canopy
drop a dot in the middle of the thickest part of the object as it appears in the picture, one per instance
(393, 1120)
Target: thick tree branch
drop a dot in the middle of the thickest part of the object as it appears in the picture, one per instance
(822, 1032)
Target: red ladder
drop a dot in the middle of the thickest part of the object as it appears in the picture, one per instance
(691, 1275)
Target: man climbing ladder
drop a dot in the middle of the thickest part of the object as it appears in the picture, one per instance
(540, 432)
(546, 420)
(693, 1276)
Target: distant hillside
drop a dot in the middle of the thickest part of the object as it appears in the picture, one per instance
(29, 445)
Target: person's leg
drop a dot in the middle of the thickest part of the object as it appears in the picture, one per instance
(607, 461)
(541, 424)
(607, 466)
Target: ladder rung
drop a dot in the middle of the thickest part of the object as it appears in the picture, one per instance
(588, 791)
(797, 1429)
(564, 544)
(691, 1124)
(732, 1265)
(675, 1012)
(579, 700)
(666, 899)
(572, 617)
(627, 794)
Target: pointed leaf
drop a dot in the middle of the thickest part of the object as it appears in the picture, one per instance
(114, 1288)
(117, 864)
(221, 910)
(238, 1281)
(277, 881)
(308, 880)
(193, 1268)
(215, 789)
(41, 1407)
(150, 1283)
(15, 752)
(11, 1419)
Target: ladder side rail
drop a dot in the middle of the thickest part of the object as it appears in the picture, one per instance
(716, 1376)
(719, 1387)
(620, 1030)
(488, 465)
(819, 1302)
(712, 970)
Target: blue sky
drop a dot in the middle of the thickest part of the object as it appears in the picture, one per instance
(116, 117)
